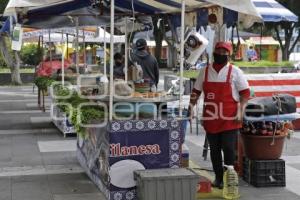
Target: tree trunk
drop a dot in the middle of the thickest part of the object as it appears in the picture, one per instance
(158, 43)
(285, 46)
(12, 61)
(15, 70)
(285, 54)
(6, 54)
(172, 56)
(172, 50)
(158, 33)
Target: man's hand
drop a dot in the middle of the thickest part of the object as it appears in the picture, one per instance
(191, 116)
(193, 100)
(239, 117)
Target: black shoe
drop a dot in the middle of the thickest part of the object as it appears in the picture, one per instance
(217, 184)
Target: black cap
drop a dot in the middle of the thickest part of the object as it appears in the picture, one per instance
(141, 43)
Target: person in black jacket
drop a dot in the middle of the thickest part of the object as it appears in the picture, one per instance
(148, 62)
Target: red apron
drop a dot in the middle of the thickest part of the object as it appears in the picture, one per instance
(220, 108)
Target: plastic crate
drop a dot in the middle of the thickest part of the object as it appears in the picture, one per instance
(166, 184)
(264, 173)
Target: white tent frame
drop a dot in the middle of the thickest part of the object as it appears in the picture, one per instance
(236, 4)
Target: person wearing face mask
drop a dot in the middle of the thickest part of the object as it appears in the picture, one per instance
(226, 92)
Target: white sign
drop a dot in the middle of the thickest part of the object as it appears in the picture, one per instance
(17, 38)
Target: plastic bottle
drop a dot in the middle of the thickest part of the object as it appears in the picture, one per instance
(253, 129)
(278, 128)
(246, 128)
(185, 156)
(270, 129)
(264, 129)
(231, 184)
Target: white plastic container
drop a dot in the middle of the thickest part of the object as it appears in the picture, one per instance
(166, 184)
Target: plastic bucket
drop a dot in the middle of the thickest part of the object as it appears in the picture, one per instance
(261, 148)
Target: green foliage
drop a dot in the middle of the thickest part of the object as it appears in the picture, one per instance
(190, 73)
(6, 70)
(61, 91)
(3, 4)
(2, 62)
(261, 63)
(43, 82)
(87, 114)
(91, 113)
(264, 63)
(31, 54)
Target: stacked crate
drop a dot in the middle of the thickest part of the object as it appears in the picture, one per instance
(264, 173)
(262, 166)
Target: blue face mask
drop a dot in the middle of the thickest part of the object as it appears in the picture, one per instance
(220, 59)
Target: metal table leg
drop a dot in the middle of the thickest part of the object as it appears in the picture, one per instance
(205, 148)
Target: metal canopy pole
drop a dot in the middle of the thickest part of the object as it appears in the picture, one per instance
(50, 48)
(84, 49)
(67, 35)
(42, 41)
(62, 60)
(181, 55)
(111, 78)
(104, 53)
(126, 51)
(260, 45)
(77, 46)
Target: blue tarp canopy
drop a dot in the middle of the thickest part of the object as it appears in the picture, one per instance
(169, 6)
(5, 27)
(55, 14)
(34, 7)
(45, 14)
(272, 11)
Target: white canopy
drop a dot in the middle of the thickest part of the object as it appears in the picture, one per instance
(12, 4)
(272, 11)
(56, 36)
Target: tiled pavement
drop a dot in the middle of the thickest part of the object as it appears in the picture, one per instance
(37, 163)
(29, 168)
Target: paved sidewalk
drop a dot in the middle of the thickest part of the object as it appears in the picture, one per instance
(38, 163)
(291, 154)
(31, 167)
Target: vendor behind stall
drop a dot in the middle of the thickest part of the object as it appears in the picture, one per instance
(148, 62)
(226, 91)
(119, 66)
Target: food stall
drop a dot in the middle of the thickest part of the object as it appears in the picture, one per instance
(110, 150)
(129, 145)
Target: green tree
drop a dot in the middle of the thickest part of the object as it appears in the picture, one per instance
(11, 58)
(31, 54)
(161, 25)
(2, 61)
(3, 4)
(289, 28)
(158, 32)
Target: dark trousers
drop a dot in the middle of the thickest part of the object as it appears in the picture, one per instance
(225, 141)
